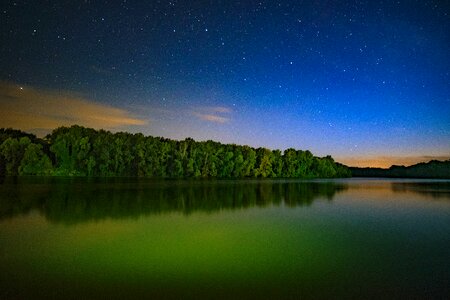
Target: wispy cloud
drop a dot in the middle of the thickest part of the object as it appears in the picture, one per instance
(216, 114)
(211, 118)
(29, 108)
(219, 109)
(387, 161)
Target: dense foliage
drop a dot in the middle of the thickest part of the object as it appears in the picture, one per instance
(79, 151)
(432, 169)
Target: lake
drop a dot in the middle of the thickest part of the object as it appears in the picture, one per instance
(68, 238)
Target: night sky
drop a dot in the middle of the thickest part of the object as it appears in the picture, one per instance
(364, 81)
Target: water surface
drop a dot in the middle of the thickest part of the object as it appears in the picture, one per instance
(122, 238)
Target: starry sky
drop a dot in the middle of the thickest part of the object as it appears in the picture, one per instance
(364, 81)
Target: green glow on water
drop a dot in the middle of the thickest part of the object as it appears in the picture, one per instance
(366, 241)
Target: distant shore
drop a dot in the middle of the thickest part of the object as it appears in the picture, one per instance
(434, 170)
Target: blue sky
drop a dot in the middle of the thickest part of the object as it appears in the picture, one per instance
(364, 81)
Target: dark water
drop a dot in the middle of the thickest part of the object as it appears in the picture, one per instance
(127, 238)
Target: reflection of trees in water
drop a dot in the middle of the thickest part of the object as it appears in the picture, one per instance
(77, 200)
(435, 189)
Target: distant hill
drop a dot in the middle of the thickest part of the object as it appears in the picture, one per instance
(432, 169)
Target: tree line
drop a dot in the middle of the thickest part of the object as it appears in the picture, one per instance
(431, 169)
(80, 151)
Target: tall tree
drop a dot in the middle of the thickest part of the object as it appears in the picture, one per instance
(35, 161)
(13, 150)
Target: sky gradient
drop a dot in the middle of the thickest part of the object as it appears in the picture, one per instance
(364, 81)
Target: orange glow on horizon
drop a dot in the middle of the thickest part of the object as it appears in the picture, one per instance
(387, 161)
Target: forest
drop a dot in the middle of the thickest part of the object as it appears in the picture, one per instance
(80, 151)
